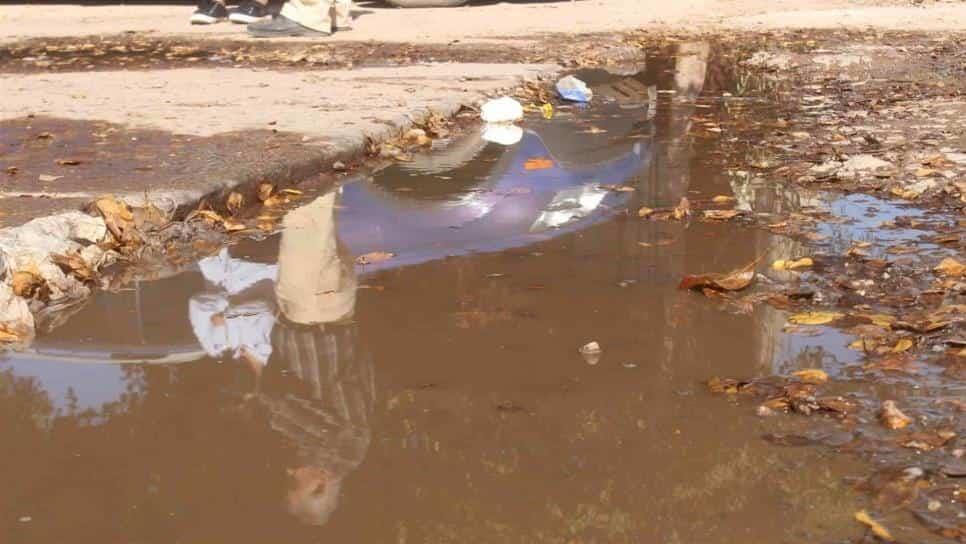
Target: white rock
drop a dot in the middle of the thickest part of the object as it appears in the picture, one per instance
(502, 110)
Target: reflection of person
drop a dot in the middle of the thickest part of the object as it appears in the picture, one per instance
(306, 18)
(313, 380)
(318, 388)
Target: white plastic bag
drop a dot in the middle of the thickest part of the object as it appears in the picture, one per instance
(502, 110)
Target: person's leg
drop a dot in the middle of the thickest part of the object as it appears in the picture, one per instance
(209, 12)
(343, 14)
(298, 18)
(249, 11)
(314, 14)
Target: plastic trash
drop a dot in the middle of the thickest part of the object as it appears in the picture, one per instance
(502, 134)
(575, 90)
(591, 353)
(502, 110)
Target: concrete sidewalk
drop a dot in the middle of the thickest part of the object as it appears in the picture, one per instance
(182, 133)
(526, 21)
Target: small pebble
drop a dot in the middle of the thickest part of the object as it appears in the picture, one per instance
(934, 505)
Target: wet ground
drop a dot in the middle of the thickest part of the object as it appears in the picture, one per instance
(403, 362)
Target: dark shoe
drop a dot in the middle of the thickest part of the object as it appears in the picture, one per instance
(208, 12)
(282, 27)
(248, 12)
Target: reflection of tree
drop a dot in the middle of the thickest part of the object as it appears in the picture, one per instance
(24, 406)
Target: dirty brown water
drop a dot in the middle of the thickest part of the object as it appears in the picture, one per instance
(443, 397)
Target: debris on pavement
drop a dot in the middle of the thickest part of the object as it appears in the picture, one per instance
(501, 110)
(572, 89)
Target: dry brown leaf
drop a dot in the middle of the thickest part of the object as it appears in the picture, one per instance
(722, 199)
(26, 283)
(210, 216)
(877, 529)
(902, 345)
(374, 257)
(950, 267)
(781, 264)
(235, 201)
(812, 376)
(892, 417)
(265, 191)
(74, 264)
(233, 226)
(67, 162)
(735, 280)
(683, 209)
(118, 218)
(814, 318)
(645, 212)
(721, 215)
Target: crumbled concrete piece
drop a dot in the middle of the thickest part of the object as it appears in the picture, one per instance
(15, 315)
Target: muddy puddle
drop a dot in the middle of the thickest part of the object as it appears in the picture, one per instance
(402, 363)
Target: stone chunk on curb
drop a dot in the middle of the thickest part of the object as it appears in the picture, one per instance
(15, 315)
(30, 247)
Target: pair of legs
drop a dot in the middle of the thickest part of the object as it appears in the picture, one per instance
(213, 11)
(306, 18)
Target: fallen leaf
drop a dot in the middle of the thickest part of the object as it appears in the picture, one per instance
(683, 209)
(814, 318)
(67, 162)
(892, 417)
(645, 212)
(735, 280)
(812, 376)
(547, 111)
(538, 163)
(47, 178)
(781, 264)
(293, 192)
(235, 201)
(232, 226)
(618, 188)
(721, 215)
(722, 199)
(877, 529)
(74, 264)
(118, 218)
(950, 267)
(374, 257)
(265, 191)
(26, 283)
(902, 345)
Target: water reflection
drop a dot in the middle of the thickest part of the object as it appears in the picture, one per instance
(485, 425)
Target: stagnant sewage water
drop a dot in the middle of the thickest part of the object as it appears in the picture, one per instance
(443, 398)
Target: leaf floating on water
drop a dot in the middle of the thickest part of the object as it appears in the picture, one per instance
(374, 257)
(721, 215)
(950, 267)
(547, 111)
(877, 529)
(735, 280)
(538, 163)
(814, 318)
(782, 264)
(902, 345)
(618, 188)
(812, 376)
(892, 417)
(683, 209)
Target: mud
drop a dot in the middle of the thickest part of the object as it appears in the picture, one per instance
(402, 361)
